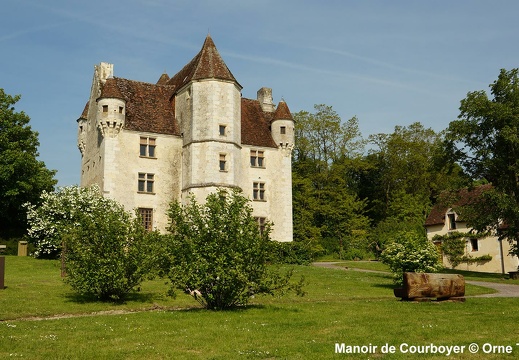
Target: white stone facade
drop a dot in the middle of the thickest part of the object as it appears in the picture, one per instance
(147, 145)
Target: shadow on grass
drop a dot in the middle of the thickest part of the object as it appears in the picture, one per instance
(475, 274)
(131, 297)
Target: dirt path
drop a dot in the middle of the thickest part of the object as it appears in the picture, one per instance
(503, 290)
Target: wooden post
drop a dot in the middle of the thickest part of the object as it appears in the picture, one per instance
(2, 272)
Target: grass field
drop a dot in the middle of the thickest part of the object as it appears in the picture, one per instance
(41, 318)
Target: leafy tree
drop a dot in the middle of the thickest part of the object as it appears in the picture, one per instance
(485, 141)
(407, 172)
(22, 176)
(410, 252)
(107, 251)
(217, 253)
(327, 211)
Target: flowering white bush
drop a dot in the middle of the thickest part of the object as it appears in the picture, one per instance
(410, 252)
(107, 251)
(57, 213)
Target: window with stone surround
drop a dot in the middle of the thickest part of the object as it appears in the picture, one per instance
(223, 162)
(146, 215)
(257, 158)
(261, 223)
(258, 191)
(283, 130)
(147, 147)
(146, 183)
(222, 130)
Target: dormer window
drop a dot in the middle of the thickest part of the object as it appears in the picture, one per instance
(452, 221)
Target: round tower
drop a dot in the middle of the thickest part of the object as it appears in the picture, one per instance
(282, 127)
(111, 109)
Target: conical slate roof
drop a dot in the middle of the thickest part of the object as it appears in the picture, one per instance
(207, 64)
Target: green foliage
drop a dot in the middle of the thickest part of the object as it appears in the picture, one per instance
(107, 251)
(328, 214)
(290, 253)
(410, 252)
(216, 252)
(453, 246)
(485, 141)
(22, 176)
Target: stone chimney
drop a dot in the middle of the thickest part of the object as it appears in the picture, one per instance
(265, 99)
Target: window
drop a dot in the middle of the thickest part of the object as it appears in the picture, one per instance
(257, 158)
(452, 221)
(147, 147)
(283, 130)
(146, 216)
(120, 109)
(258, 191)
(474, 244)
(105, 108)
(146, 183)
(261, 223)
(223, 163)
(222, 130)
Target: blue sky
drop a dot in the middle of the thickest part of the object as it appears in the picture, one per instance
(387, 62)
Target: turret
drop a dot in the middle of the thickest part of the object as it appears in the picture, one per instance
(111, 109)
(282, 127)
(82, 130)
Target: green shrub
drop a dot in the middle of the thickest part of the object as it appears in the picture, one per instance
(217, 254)
(107, 251)
(410, 252)
(296, 253)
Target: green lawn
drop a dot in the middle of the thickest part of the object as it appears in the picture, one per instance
(350, 307)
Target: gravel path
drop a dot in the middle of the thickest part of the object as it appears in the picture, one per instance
(503, 290)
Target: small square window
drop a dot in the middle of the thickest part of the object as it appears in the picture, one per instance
(120, 109)
(223, 162)
(474, 243)
(222, 130)
(105, 108)
(283, 130)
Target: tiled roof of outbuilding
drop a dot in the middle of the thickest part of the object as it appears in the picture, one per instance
(207, 64)
(255, 124)
(460, 198)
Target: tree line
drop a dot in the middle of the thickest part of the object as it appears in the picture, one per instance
(351, 194)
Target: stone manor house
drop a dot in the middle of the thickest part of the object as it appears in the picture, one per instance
(146, 145)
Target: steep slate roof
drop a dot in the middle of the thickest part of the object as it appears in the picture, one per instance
(255, 124)
(207, 64)
(461, 198)
(148, 106)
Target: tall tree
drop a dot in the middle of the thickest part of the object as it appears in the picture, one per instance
(485, 141)
(22, 176)
(406, 175)
(327, 211)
